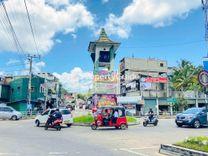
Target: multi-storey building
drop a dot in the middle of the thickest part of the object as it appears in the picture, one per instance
(145, 78)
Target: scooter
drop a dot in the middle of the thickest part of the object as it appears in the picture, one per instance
(56, 124)
(154, 121)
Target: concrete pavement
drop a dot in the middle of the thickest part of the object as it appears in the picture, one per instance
(22, 138)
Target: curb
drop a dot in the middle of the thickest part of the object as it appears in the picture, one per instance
(172, 150)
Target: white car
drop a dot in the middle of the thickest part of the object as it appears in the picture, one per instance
(7, 112)
(66, 114)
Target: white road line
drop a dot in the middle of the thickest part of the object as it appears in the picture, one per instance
(58, 153)
(133, 152)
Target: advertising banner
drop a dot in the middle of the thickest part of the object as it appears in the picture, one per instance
(145, 85)
(104, 100)
(105, 76)
(105, 88)
(155, 79)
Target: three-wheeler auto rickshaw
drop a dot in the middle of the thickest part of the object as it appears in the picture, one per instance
(110, 116)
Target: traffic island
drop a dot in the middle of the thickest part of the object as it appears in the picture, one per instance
(195, 146)
(86, 120)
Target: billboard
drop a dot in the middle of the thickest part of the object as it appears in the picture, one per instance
(105, 76)
(105, 88)
(105, 82)
(104, 100)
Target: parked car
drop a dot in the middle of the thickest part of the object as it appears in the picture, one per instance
(66, 114)
(195, 117)
(7, 112)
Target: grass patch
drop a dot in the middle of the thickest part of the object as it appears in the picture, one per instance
(195, 143)
(84, 119)
(131, 119)
(90, 119)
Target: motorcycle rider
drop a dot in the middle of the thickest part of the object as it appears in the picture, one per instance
(150, 114)
(56, 115)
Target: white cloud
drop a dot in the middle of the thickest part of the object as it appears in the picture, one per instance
(58, 41)
(37, 67)
(157, 13)
(105, 1)
(74, 36)
(57, 3)
(48, 20)
(76, 80)
(2, 73)
(12, 62)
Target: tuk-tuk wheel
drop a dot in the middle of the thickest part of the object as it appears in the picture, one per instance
(93, 127)
(123, 126)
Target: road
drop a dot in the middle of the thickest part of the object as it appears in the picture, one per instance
(22, 138)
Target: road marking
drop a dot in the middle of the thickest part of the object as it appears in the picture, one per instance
(133, 152)
(58, 153)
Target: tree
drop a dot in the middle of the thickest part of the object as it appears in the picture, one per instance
(185, 78)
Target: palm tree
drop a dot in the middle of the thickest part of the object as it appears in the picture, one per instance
(185, 78)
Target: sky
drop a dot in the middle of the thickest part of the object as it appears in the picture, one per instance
(163, 29)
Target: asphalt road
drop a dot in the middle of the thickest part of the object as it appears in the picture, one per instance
(22, 138)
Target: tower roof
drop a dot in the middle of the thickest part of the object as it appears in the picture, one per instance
(104, 37)
(103, 40)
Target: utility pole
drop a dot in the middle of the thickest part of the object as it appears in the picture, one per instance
(30, 59)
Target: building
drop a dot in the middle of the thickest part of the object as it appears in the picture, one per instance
(4, 91)
(145, 78)
(51, 88)
(19, 92)
(44, 87)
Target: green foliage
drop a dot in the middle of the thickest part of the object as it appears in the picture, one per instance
(185, 77)
(131, 119)
(197, 143)
(180, 104)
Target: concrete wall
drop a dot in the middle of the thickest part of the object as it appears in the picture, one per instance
(138, 64)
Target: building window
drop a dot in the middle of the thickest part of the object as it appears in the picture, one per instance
(161, 86)
(32, 89)
(18, 88)
(42, 90)
(161, 65)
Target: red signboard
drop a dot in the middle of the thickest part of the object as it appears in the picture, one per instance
(156, 79)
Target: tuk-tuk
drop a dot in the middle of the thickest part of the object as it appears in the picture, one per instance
(110, 116)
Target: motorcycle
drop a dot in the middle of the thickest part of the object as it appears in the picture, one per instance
(56, 124)
(154, 121)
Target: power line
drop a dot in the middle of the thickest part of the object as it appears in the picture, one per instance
(17, 43)
(13, 33)
(31, 27)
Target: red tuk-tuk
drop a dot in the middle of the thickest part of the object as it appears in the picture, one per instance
(110, 116)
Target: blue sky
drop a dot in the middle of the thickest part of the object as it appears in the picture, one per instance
(172, 35)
